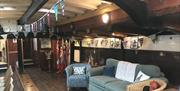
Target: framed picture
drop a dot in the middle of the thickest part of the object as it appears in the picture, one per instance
(45, 43)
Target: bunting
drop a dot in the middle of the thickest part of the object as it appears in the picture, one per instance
(56, 11)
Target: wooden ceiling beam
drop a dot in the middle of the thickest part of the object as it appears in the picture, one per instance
(102, 9)
(15, 3)
(11, 12)
(74, 9)
(80, 4)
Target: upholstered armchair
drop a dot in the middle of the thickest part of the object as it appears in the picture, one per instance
(77, 80)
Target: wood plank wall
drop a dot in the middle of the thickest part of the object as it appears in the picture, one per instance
(168, 61)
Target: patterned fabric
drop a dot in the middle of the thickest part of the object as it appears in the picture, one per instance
(78, 80)
(79, 70)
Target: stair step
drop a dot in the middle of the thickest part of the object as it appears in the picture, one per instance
(3, 68)
(3, 64)
(28, 63)
(28, 60)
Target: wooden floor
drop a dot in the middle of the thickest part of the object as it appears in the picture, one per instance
(45, 81)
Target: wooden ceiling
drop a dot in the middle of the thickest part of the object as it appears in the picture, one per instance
(18, 6)
(77, 10)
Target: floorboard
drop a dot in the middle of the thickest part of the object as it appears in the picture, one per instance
(46, 81)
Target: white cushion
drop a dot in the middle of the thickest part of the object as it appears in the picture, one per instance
(79, 70)
(141, 77)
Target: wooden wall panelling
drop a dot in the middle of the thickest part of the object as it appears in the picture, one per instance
(11, 46)
(54, 53)
(20, 55)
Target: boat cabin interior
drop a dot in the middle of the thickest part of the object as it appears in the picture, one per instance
(89, 45)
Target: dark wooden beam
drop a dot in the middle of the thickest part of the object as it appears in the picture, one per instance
(136, 9)
(163, 7)
(33, 8)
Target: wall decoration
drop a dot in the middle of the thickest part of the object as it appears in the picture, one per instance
(102, 42)
(133, 42)
(45, 43)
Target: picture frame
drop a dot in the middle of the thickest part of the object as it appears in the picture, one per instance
(45, 43)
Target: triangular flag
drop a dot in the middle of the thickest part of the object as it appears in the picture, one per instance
(56, 11)
(62, 6)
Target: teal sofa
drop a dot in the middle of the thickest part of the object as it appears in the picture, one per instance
(100, 82)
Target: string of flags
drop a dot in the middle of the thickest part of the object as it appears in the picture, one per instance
(46, 18)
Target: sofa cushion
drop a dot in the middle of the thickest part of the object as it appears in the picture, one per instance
(101, 80)
(150, 70)
(109, 71)
(112, 62)
(80, 79)
(117, 85)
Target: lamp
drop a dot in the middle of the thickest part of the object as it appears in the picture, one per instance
(105, 18)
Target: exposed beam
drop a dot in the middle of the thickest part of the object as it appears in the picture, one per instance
(35, 6)
(74, 9)
(11, 12)
(102, 9)
(136, 9)
(80, 4)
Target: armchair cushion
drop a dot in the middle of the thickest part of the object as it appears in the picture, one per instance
(79, 70)
(78, 80)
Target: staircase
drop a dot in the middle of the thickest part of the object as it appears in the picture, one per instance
(3, 66)
(28, 62)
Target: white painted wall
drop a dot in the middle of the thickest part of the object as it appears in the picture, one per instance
(163, 42)
(9, 25)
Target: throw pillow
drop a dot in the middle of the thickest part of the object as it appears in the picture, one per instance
(154, 85)
(78, 70)
(109, 71)
(141, 76)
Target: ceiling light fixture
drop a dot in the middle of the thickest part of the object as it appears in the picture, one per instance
(105, 18)
(105, 2)
(7, 8)
(47, 10)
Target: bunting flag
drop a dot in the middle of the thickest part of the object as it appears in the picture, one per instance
(62, 6)
(56, 11)
(49, 19)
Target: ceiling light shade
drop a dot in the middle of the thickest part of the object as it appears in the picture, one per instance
(105, 18)
(106, 2)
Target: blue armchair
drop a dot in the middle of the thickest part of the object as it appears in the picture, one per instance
(74, 80)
